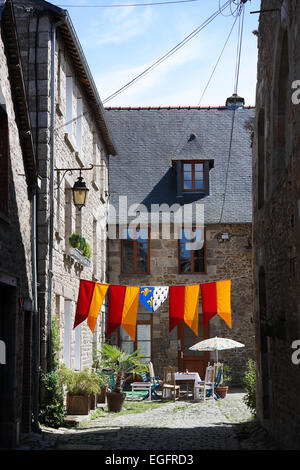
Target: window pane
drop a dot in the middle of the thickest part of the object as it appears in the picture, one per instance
(124, 336)
(187, 185)
(185, 258)
(199, 167)
(187, 167)
(187, 175)
(127, 347)
(142, 254)
(199, 261)
(199, 185)
(198, 176)
(128, 266)
(145, 347)
(144, 332)
(142, 234)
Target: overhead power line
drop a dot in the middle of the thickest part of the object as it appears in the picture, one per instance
(128, 4)
(170, 52)
(235, 88)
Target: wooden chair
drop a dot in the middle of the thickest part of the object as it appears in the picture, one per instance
(169, 385)
(206, 385)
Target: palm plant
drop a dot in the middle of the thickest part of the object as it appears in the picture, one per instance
(121, 363)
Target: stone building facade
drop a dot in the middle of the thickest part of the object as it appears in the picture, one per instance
(276, 221)
(145, 179)
(18, 185)
(80, 140)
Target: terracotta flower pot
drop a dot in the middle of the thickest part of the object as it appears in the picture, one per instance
(115, 400)
(222, 390)
(78, 404)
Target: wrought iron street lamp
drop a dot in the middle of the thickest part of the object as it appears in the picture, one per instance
(80, 192)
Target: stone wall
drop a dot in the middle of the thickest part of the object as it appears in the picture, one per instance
(35, 41)
(276, 221)
(15, 272)
(225, 260)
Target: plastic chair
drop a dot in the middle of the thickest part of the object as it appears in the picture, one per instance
(206, 386)
(169, 384)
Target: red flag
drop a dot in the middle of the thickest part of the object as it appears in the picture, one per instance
(209, 301)
(85, 294)
(176, 306)
(115, 308)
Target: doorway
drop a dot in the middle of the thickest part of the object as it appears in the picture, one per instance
(194, 361)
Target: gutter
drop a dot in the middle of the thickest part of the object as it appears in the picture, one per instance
(51, 207)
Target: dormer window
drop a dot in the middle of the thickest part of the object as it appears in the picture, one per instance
(192, 178)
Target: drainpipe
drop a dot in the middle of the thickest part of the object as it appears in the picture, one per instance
(52, 167)
(36, 326)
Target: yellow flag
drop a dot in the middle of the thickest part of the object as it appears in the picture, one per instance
(130, 308)
(224, 301)
(191, 307)
(96, 304)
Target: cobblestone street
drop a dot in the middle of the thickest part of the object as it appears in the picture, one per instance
(184, 425)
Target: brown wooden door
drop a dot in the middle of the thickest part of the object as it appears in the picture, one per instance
(193, 361)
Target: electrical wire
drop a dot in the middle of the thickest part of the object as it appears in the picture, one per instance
(172, 51)
(128, 4)
(218, 60)
(236, 79)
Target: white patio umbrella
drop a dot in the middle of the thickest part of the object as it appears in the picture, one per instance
(216, 344)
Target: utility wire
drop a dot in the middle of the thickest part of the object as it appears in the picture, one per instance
(128, 4)
(236, 79)
(170, 52)
(217, 63)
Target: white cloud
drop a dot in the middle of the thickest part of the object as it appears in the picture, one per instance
(117, 26)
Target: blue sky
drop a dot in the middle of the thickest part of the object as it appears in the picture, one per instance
(120, 43)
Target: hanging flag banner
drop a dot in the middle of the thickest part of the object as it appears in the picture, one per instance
(96, 304)
(85, 294)
(191, 307)
(130, 310)
(123, 304)
(153, 297)
(224, 301)
(216, 300)
(115, 308)
(160, 294)
(176, 306)
(146, 297)
(184, 306)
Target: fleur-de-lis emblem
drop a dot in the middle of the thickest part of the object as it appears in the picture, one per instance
(146, 291)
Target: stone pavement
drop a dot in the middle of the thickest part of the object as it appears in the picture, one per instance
(184, 425)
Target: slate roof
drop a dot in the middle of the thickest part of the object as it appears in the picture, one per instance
(149, 139)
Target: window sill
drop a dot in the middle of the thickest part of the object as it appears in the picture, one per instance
(78, 256)
(58, 109)
(70, 142)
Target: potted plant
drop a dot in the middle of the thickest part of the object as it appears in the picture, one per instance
(222, 388)
(81, 386)
(120, 363)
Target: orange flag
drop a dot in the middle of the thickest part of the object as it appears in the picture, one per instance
(191, 307)
(96, 304)
(130, 309)
(223, 301)
(216, 300)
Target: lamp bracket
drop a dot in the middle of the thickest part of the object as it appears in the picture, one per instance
(70, 170)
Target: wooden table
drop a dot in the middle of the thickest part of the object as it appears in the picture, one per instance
(188, 377)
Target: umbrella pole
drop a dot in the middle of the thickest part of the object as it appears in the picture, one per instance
(217, 356)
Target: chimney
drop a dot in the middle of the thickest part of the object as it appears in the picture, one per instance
(235, 102)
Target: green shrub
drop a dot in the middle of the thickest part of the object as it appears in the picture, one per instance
(82, 382)
(52, 409)
(79, 242)
(249, 381)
